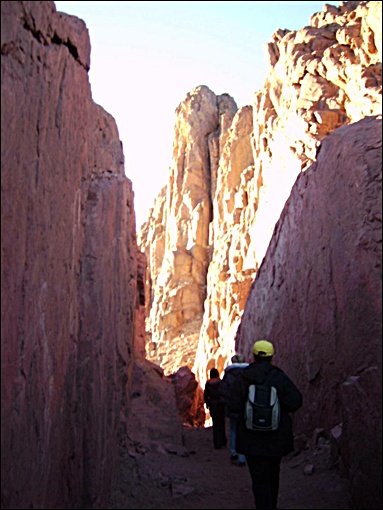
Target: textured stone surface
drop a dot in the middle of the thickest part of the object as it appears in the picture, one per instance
(73, 293)
(68, 268)
(302, 101)
(77, 395)
(176, 237)
(318, 297)
(321, 77)
(228, 282)
(153, 413)
(189, 397)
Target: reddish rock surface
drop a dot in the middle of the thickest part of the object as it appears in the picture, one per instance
(318, 297)
(68, 268)
(78, 401)
(189, 397)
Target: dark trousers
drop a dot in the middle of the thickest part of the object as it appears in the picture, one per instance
(217, 413)
(264, 472)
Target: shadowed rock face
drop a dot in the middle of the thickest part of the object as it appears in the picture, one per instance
(68, 268)
(76, 391)
(318, 297)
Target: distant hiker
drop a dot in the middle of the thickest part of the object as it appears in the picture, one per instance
(231, 372)
(264, 449)
(216, 405)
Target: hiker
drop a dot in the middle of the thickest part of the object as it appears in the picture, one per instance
(231, 372)
(216, 405)
(264, 449)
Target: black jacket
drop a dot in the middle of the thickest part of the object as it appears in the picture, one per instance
(212, 393)
(230, 375)
(276, 443)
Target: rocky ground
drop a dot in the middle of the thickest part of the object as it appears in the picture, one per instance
(197, 476)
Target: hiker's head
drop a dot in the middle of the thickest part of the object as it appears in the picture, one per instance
(214, 373)
(262, 349)
(238, 358)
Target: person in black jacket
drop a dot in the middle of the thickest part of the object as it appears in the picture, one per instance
(264, 450)
(216, 405)
(231, 372)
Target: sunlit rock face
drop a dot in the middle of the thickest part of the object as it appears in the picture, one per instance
(321, 77)
(318, 297)
(176, 237)
(228, 282)
(68, 268)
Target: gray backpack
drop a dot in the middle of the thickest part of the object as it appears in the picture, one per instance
(262, 410)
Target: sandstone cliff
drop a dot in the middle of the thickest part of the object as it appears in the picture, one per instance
(77, 395)
(176, 238)
(72, 282)
(321, 77)
(318, 297)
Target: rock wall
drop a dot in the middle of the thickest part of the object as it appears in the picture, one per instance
(176, 237)
(318, 296)
(228, 282)
(201, 264)
(321, 77)
(68, 268)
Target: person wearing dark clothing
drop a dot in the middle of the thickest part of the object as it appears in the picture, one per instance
(216, 405)
(231, 372)
(264, 450)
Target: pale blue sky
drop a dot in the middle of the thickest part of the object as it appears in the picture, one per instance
(147, 55)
